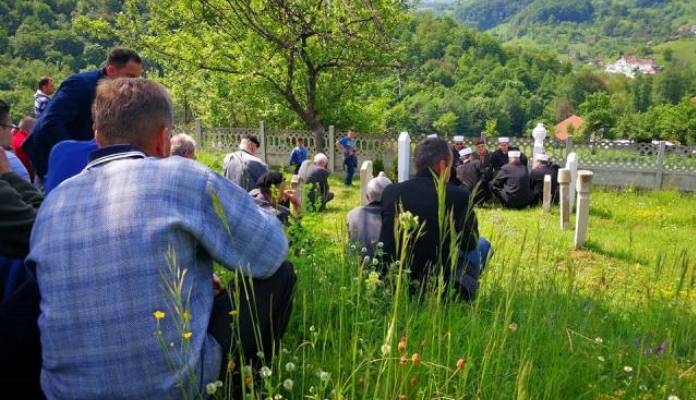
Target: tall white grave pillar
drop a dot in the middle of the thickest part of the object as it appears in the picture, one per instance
(572, 165)
(564, 202)
(539, 134)
(584, 185)
(365, 176)
(404, 153)
(547, 193)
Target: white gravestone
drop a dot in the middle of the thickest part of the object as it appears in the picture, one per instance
(572, 165)
(547, 193)
(539, 134)
(404, 153)
(564, 202)
(365, 176)
(583, 210)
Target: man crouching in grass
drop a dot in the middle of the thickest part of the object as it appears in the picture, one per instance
(100, 249)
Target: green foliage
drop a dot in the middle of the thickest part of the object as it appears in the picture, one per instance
(599, 116)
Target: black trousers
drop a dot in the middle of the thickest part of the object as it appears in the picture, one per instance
(20, 346)
(262, 313)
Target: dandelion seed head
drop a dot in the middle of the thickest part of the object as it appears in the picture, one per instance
(265, 372)
(211, 388)
(598, 340)
(628, 369)
(324, 376)
(290, 367)
(672, 397)
(288, 384)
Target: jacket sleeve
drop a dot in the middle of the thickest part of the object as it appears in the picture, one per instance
(236, 232)
(66, 105)
(19, 201)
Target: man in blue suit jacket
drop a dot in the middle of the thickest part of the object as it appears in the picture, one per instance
(69, 114)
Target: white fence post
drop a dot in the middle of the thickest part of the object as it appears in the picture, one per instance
(365, 176)
(584, 185)
(563, 182)
(332, 150)
(199, 133)
(659, 165)
(404, 153)
(262, 139)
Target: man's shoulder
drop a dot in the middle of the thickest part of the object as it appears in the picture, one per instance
(85, 77)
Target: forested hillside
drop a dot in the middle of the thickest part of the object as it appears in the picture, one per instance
(448, 78)
(582, 29)
(44, 37)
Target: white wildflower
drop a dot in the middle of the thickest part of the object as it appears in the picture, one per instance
(366, 260)
(380, 245)
(260, 354)
(288, 384)
(672, 397)
(600, 358)
(628, 369)
(386, 349)
(324, 376)
(211, 388)
(363, 250)
(290, 367)
(265, 372)
(598, 340)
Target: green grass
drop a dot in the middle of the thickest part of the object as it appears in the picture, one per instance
(684, 50)
(549, 322)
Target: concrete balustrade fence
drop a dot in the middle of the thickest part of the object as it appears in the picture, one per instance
(615, 164)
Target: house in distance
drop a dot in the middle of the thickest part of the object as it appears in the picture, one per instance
(631, 65)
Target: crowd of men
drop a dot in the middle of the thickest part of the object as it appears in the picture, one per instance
(98, 199)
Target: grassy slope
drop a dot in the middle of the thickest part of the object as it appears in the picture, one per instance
(549, 322)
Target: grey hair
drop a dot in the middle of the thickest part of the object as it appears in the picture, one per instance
(182, 145)
(321, 158)
(376, 186)
(430, 152)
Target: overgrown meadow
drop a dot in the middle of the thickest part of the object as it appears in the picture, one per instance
(616, 320)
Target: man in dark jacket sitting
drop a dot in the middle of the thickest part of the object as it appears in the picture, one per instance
(318, 181)
(511, 185)
(541, 168)
(430, 252)
(69, 113)
(500, 156)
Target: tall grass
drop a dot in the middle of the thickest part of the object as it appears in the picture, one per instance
(615, 320)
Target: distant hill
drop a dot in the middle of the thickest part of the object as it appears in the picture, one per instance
(582, 30)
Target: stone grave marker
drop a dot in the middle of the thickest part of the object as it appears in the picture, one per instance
(572, 165)
(404, 153)
(584, 185)
(564, 201)
(547, 193)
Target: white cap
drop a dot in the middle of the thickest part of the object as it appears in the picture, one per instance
(514, 154)
(541, 157)
(503, 139)
(465, 152)
(458, 139)
(432, 135)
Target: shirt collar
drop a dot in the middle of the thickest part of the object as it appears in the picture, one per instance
(111, 153)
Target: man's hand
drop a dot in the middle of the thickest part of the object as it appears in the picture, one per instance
(217, 285)
(293, 196)
(4, 162)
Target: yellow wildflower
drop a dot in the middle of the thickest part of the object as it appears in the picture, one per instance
(187, 335)
(186, 315)
(233, 313)
(158, 315)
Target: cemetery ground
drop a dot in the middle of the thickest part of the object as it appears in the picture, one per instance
(614, 320)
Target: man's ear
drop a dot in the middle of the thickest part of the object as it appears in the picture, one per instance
(162, 145)
(98, 139)
(110, 71)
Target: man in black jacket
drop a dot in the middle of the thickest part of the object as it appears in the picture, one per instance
(541, 168)
(473, 176)
(500, 156)
(511, 185)
(430, 253)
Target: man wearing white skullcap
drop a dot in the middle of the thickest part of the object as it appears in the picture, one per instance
(542, 167)
(500, 156)
(457, 146)
(511, 185)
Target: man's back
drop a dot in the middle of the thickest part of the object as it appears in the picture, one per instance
(418, 195)
(469, 173)
(100, 246)
(67, 116)
(244, 169)
(364, 225)
(513, 182)
(67, 159)
(536, 181)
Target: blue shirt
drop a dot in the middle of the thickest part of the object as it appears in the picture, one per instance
(99, 248)
(67, 159)
(17, 166)
(298, 155)
(348, 146)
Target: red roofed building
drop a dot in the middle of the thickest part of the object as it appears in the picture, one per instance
(561, 130)
(630, 65)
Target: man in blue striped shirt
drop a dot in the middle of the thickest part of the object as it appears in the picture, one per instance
(103, 247)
